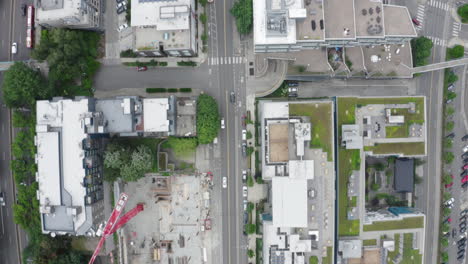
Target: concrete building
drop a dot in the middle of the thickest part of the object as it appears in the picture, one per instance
(300, 181)
(164, 28)
(69, 154)
(294, 25)
(69, 14)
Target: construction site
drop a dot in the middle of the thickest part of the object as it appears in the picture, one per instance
(174, 226)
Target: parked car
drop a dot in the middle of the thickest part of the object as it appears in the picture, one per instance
(449, 185)
(463, 230)
(454, 232)
(465, 179)
(462, 225)
(451, 135)
(465, 149)
(121, 9)
(142, 68)
(244, 122)
(224, 182)
(465, 160)
(449, 101)
(222, 123)
(464, 212)
(232, 97)
(244, 149)
(24, 9)
(448, 220)
(451, 87)
(119, 5)
(293, 84)
(2, 199)
(244, 191)
(245, 205)
(463, 173)
(465, 167)
(465, 137)
(119, 1)
(464, 155)
(464, 185)
(122, 27)
(14, 48)
(416, 22)
(450, 201)
(244, 176)
(244, 134)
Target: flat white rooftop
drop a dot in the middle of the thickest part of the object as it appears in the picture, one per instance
(48, 167)
(155, 114)
(289, 202)
(172, 15)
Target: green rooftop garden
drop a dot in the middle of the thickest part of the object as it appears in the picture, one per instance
(406, 223)
(407, 148)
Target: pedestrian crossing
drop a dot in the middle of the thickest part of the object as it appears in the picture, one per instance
(439, 4)
(226, 60)
(437, 41)
(456, 27)
(420, 16)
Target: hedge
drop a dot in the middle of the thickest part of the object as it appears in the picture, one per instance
(185, 90)
(156, 90)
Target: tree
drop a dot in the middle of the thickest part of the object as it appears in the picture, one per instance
(447, 179)
(379, 166)
(421, 49)
(249, 134)
(313, 260)
(417, 179)
(243, 13)
(448, 143)
(207, 119)
(375, 187)
(250, 207)
(456, 52)
(448, 157)
(449, 126)
(250, 228)
(250, 150)
(22, 86)
(462, 11)
(445, 227)
(451, 95)
(447, 195)
(203, 18)
(250, 181)
(444, 242)
(140, 163)
(451, 76)
(445, 257)
(250, 253)
(450, 111)
(446, 211)
(203, 2)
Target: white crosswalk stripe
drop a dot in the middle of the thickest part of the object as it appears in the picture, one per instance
(456, 29)
(440, 4)
(437, 41)
(420, 16)
(226, 60)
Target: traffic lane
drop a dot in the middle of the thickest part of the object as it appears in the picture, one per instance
(115, 77)
(20, 28)
(5, 20)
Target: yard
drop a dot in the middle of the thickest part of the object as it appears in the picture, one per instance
(369, 242)
(397, 131)
(392, 254)
(134, 142)
(320, 115)
(329, 258)
(348, 161)
(410, 255)
(406, 223)
(407, 148)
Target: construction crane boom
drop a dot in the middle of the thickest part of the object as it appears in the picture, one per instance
(114, 222)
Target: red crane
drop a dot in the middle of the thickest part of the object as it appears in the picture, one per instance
(115, 223)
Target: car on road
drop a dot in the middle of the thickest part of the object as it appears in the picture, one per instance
(451, 87)
(416, 22)
(244, 191)
(224, 182)
(14, 48)
(24, 9)
(465, 137)
(142, 68)
(232, 97)
(2, 199)
(451, 135)
(244, 176)
(122, 27)
(244, 134)
(465, 179)
(222, 123)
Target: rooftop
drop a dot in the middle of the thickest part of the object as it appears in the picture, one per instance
(155, 114)
(150, 38)
(172, 15)
(289, 202)
(404, 27)
(404, 175)
(339, 19)
(68, 10)
(312, 26)
(369, 18)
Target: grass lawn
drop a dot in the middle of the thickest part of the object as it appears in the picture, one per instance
(392, 255)
(313, 260)
(347, 163)
(397, 131)
(410, 255)
(409, 148)
(328, 259)
(407, 223)
(353, 201)
(369, 242)
(320, 115)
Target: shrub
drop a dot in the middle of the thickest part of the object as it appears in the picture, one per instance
(156, 90)
(250, 228)
(250, 181)
(181, 146)
(187, 63)
(451, 76)
(250, 207)
(128, 54)
(163, 63)
(451, 95)
(250, 253)
(449, 126)
(185, 90)
(249, 134)
(172, 90)
(203, 18)
(375, 187)
(207, 119)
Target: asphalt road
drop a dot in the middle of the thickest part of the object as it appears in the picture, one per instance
(13, 29)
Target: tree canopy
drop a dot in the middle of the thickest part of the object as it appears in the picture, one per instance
(456, 52)
(243, 13)
(462, 11)
(22, 86)
(181, 146)
(130, 164)
(421, 49)
(207, 119)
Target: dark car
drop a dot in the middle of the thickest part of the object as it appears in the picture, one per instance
(416, 22)
(24, 9)
(463, 230)
(461, 251)
(465, 137)
(293, 84)
(464, 185)
(454, 232)
(460, 257)
(244, 149)
(451, 135)
(232, 97)
(464, 212)
(121, 9)
(462, 174)
(464, 155)
(465, 160)
(462, 225)
(142, 68)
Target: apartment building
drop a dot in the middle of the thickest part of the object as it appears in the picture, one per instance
(75, 14)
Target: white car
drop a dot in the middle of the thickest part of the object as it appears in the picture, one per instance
(465, 149)
(14, 48)
(122, 27)
(245, 205)
(244, 191)
(450, 201)
(244, 175)
(2, 199)
(222, 123)
(120, 5)
(224, 182)
(244, 134)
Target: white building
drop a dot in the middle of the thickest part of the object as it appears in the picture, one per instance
(294, 25)
(69, 14)
(164, 28)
